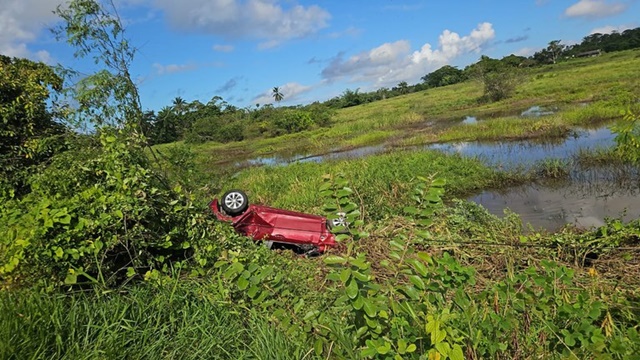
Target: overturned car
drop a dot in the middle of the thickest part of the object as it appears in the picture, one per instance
(308, 234)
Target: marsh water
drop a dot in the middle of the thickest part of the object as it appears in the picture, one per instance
(526, 153)
(584, 199)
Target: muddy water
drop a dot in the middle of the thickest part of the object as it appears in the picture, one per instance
(584, 201)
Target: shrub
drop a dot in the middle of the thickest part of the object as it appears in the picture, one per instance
(101, 218)
(292, 121)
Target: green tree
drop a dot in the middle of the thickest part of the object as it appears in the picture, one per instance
(109, 96)
(498, 78)
(26, 122)
(446, 75)
(403, 87)
(179, 105)
(277, 95)
(551, 54)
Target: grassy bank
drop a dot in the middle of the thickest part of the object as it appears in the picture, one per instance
(496, 292)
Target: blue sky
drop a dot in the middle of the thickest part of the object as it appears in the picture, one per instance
(312, 50)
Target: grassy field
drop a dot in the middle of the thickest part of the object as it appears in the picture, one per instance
(604, 84)
(431, 278)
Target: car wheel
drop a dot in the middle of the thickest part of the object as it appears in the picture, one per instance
(234, 202)
(339, 222)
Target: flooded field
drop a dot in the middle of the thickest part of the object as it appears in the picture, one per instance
(523, 154)
(584, 200)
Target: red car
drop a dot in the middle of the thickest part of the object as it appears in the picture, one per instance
(309, 234)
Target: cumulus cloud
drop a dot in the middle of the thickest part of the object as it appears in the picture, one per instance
(21, 21)
(390, 63)
(611, 28)
(262, 19)
(223, 48)
(291, 91)
(595, 9)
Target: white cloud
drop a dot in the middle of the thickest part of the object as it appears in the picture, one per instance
(173, 68)
(391, 63)
(21, 21)
(261, 19)
(595, 9)
(223, 48)
(290, 91)
(610, 28)
(526, 51)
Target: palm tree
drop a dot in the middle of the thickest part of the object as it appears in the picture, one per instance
(179, 105)
(277, 95)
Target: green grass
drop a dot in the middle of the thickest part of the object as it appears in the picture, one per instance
(383, 182)
(604, 83)
(187, 321)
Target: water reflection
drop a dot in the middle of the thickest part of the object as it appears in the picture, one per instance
(469, 120)
(524, 154)
(536, 111)
(332, 155)
(584, 201)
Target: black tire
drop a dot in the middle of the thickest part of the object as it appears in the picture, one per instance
(234, 202)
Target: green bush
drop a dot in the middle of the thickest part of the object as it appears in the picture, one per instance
(292, 121)
(101, 218)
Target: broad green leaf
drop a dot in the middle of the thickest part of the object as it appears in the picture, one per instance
(361, 263)
(443, 348)
(333, 259)
(360, 276)
(70, 279)
(243, 283)
(345, 274)
(420, 267)
(358, 303)
(456, 353)
(383, 349)
(411, 292)
(253, 291)
(402, 346)
(411, 348)
(341, 237)
(437, 336)
(318, 346)
(352, 289)
(417, 281)
(369, 308)
(311, 315)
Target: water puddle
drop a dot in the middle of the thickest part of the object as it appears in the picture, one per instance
(585, 201)
(470, 120)
(526, 153)
(536, 111)
(333, 155)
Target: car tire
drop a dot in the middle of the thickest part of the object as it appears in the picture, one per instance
(234, 202)
(341, 221)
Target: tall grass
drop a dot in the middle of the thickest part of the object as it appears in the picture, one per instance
(383, 182)
(182, 322)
